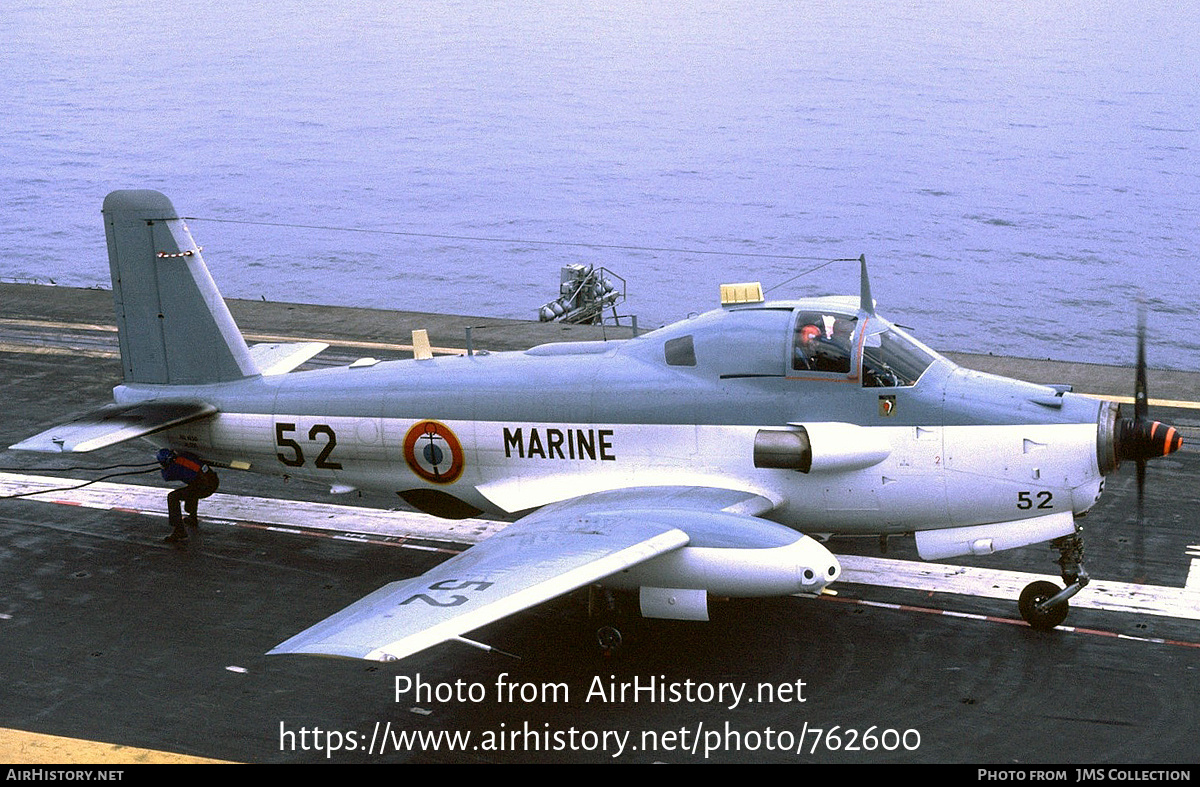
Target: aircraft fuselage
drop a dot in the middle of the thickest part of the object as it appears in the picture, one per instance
(504, 433)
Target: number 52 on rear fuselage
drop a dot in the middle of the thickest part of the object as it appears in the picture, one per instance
(689, 461)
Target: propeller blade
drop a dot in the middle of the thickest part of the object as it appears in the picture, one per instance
(1141, 407)
(1140, 438)
(1139, 531)
(1141, 412)
(1141, 487)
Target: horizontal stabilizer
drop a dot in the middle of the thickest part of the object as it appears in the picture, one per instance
(281, 358)
(115, 423)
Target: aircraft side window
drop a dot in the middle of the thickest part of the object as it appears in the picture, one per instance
(680, 351)
(891, 360)
(822, 343)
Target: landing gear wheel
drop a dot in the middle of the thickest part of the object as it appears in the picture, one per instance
(1041, 619)
(609, 639)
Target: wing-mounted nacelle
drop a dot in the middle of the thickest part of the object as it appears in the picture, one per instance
(677, 585)
(820, 448)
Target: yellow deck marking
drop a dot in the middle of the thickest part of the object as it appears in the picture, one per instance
(266, 337)
(32, 748)
(1185, 405)
(254, 337)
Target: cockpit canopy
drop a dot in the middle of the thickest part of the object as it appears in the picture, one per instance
(807, 340)
(823, 342)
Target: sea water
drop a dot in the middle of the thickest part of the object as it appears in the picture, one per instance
(1018, 175)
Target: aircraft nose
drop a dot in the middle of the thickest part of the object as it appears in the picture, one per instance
(1142, 440)
(1133, 439)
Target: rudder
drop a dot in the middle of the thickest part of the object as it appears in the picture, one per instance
(173, 326)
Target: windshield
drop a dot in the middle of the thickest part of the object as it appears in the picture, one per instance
(893, 359)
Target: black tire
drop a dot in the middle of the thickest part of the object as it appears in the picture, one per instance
(1041, 620)
(609, 638)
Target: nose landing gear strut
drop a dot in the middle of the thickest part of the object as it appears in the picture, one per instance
(1043, 604)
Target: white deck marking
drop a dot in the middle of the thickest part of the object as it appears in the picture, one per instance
(1192, 582)
(287, 515)
(1100, 594)
(355, 523)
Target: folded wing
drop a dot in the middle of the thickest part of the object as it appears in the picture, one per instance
(553, 551)
(116, 423)
(524, 565)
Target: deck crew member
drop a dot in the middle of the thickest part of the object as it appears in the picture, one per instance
(199, 482)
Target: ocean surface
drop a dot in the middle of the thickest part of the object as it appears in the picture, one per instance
(1018, 175)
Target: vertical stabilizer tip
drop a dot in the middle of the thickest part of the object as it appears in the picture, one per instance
(140, 204)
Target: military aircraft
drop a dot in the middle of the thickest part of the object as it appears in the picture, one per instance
(699, 459)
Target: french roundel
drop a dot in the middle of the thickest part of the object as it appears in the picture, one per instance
(433, 452)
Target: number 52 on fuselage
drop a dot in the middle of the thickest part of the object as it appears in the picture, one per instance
(689, 461)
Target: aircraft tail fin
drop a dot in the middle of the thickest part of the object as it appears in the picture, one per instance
(173, 326)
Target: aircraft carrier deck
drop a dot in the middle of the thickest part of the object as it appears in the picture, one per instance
(116, 647)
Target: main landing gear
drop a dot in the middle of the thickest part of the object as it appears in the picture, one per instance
(1043, 605)
(605, 612)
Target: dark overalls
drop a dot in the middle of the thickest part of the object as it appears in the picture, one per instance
(199, 482)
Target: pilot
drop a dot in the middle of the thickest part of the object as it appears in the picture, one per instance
(199, 482)
(806, 347)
